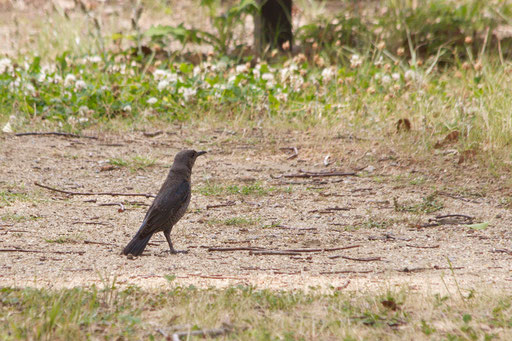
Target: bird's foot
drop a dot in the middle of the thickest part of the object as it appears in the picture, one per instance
(174, 251)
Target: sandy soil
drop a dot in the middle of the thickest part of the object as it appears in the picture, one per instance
(78, 241)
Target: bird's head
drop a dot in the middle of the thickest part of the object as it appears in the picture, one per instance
(186, 158)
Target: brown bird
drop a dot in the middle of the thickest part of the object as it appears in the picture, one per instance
(169, 205)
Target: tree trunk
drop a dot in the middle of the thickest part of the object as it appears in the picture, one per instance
(273, 25)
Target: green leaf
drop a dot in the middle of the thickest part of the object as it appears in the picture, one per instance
(480, 226)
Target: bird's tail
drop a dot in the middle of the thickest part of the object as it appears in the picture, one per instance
(137, 245)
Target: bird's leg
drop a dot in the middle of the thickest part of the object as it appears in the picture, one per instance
(173, 251)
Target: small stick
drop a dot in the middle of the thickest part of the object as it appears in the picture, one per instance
(229, 203)
(153, 134)
(274, 252)
(323, 250)
(432, 268)
(57, 134)
(19, 231)
(113, 194)
(37, 251)
(454, 216)
(120, 204)
(318, 175)
(371, 259)
(508, 252)
(297, 228)
(423, 247)
(205, 332)
(344, 272)
(215, 276)
(90, 223)
(331, 209)
(224, 249)
(97, 243)
(294, 155)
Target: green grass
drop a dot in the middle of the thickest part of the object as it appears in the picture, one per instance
(251, 314)
(7, 198)
(214, 189)
(429, 204)
(13, 217)
(234, 221)
(240, 221)
(134, 164)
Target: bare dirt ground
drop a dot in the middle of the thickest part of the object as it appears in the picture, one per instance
(78, 240)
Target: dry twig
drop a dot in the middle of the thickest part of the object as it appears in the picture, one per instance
(113, 194)
(57, 134)
(370, 259)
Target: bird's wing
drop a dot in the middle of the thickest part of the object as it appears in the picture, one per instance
(167, 204)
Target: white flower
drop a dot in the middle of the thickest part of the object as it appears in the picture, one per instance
(160, 74)
(93, 59)
(386, 79)
(152, 100)
(83, 119)
(127, 108)
(221, 66)
(162, 85)
(395, 76)
(70, 79)
(104, 88)
(80, 85)
(187, 93)
(29, 88)
(410, 75)
(242, 68)
(355, 61)
(41, 77)
(282, 97)
(5, 65)
(197, 70)
(327, 74)
(7, 128)
(267, 76)
(84, 109)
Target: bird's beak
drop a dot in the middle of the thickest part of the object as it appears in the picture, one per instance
(201, 153)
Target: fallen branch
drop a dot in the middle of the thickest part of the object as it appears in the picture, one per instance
(206, 332)
(38, 251)
(120, 204)
(229, 203)
(318, 175)
(57, 134)
(331, 209)
(345, 272)
(91, 223)
(153, 134)
(113, 194)
(274, 252)
(295, 153)
(454, 216)
(228, 249)
(97, 243)
(297, 228)
(508, 252)
(295, 251)
(432, 268)
(371, 259)
(423, 247)
(215, 276)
